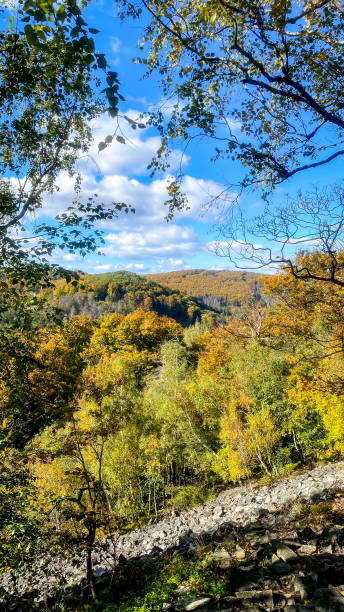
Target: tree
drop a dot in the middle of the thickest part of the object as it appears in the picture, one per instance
(306, 317)
(50, 75)
(264, 80)
(28, 403)
(69, 478)
(140, 330)
(249, 438)
(177, 433)
(312, 221)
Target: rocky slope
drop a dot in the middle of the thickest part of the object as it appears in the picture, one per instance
(283, 563)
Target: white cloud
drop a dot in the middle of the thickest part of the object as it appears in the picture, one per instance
(166, 241)
(146, 197)
(119, 174)
(70, 257)
(207, 199)
(131, 158)
(170, 263)
(104, 268)
(115, 44)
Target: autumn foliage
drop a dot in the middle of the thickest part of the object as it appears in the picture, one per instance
(112, 419)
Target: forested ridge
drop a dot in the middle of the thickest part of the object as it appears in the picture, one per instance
(220, 289)
(123, 292)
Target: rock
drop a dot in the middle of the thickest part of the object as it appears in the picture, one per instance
(281, 568)
(239, 553)
(327, 550)
(305, 585)
(293, 543)
(222, 558)
(265, 597)
(327, 600)
(318, 529)
(336, 534)
(286, 554)
(228, 599)
(49, 576)
(192, 603)
(266, 538)
(248, 578)
(308, 549)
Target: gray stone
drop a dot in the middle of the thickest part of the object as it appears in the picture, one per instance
(238, 506)
(265, 539)
(305, 585)
(286, 554)
(239, 553)
(281, 568)
(327, 600)
(249, 578)
(222, 558)
(192, 603)
(308, 549)
(336, 534)
(265, 597)
(292, 542)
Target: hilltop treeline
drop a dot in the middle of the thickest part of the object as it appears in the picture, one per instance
(224, 290)
(106, 421)
(123, 292)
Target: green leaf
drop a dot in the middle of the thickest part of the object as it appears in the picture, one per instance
(101, 61)
(101, 146)
(120, 139)
(61, 12)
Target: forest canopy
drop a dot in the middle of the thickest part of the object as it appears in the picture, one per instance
(142, 415)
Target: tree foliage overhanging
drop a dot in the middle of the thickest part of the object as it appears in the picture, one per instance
(264, 80)
(50, 81)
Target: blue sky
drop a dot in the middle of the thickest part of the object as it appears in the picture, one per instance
(145, 242)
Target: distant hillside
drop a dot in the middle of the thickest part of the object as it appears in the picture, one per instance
(218, 289)
(124, 292)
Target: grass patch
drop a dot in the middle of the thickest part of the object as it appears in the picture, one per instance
(147, 588)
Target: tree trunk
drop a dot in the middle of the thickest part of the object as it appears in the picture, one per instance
(89, 567)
